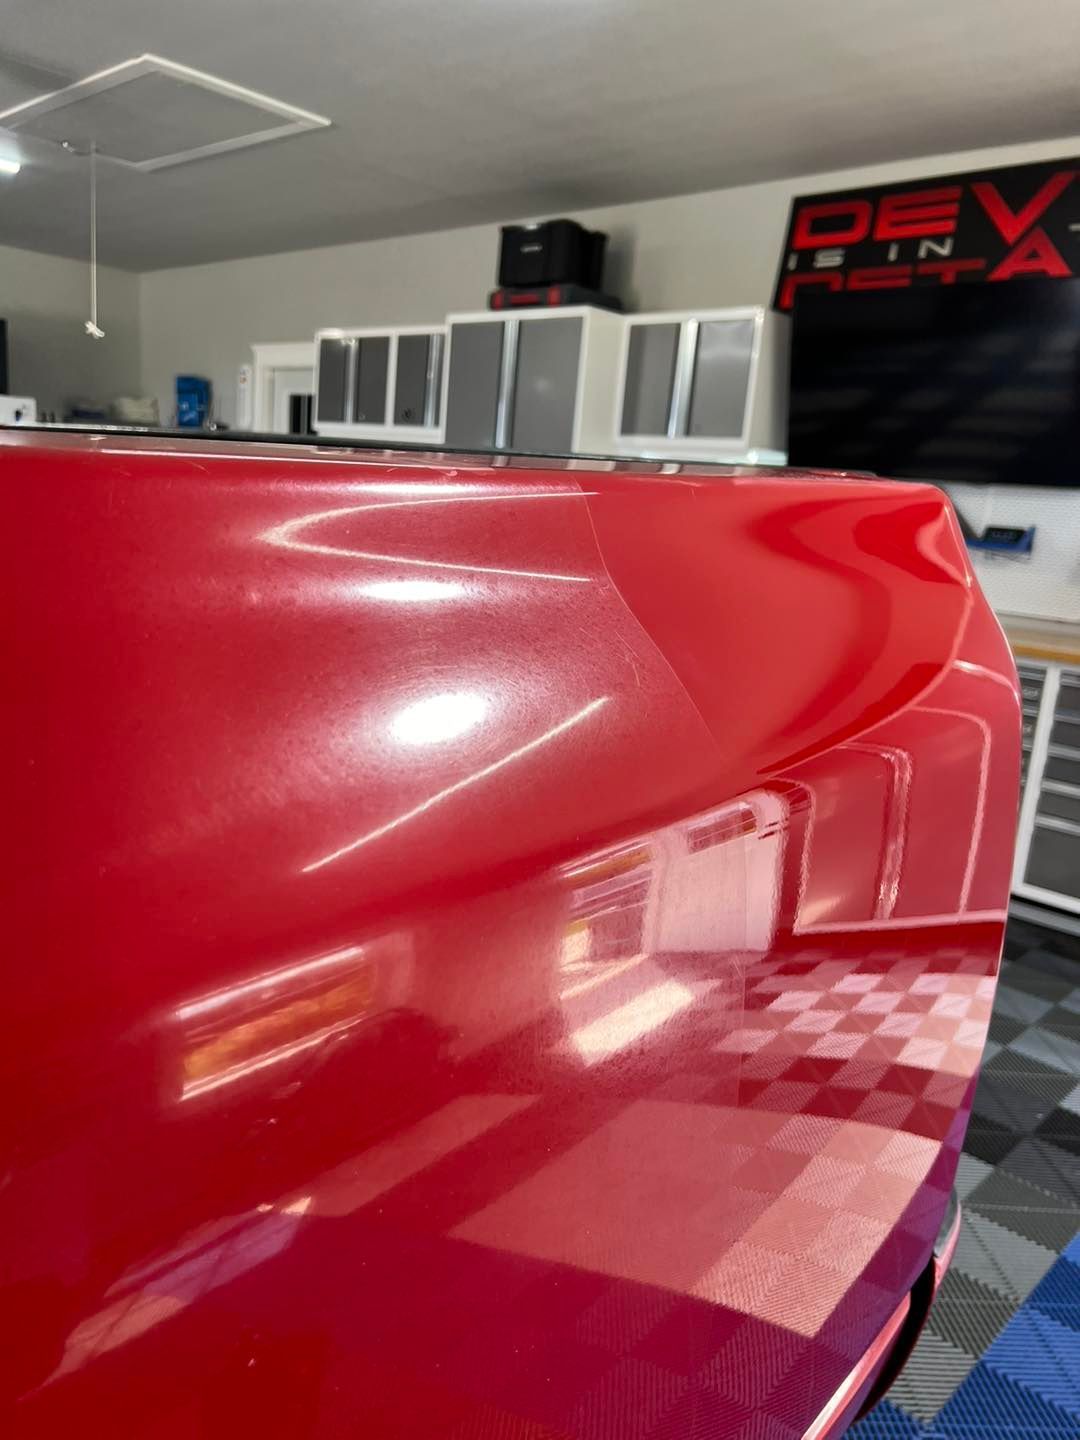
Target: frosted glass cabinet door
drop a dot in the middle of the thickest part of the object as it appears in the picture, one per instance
(721, 378)
(333, 373)
(369, 390)
(472, 390)
(650, 378)
(545, 392)
(411, 383)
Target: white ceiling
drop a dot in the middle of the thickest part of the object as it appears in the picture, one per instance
(455, 112)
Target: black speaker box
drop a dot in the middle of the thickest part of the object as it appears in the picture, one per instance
(554, 252)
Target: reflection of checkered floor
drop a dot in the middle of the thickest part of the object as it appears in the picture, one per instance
(1000, 1356)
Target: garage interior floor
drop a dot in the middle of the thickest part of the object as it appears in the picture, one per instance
(1000, 1356)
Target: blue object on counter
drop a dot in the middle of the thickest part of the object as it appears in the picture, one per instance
(192, 401)
(1005, 540)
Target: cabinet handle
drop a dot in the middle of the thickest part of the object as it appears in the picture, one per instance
(679, 410)
(433, 378)
(351, 361)
(504, 408)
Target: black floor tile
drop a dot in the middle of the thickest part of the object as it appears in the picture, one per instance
(1047, 1166)
(1001, 1190)
(967, 1313)
(1045, 1218)
(989, 1141)
(1062, 1128)
(1021, 935)
(1004, 1028)
(1065, 1023)
(1061, 943)
(1032, 1077)
(1022, 976)
(1050, 961)
(1003, 1102)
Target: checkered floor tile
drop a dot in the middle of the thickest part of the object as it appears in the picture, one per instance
(1000, 1356)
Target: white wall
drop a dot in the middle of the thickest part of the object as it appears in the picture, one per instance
(1047, 584)
(45, 302)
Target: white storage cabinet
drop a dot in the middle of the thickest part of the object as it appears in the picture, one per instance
(380, 384)
(535, 380)
(704, 385)
(1047, 865)
(18, 410)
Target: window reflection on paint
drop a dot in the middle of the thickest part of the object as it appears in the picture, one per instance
(707, 886)
(263, 1021)
(643, 1013)
(607, 908)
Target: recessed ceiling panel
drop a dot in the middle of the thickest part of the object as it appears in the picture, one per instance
(150, 113)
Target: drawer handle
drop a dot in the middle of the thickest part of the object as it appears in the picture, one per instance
(1054, 822)
(1062, 787)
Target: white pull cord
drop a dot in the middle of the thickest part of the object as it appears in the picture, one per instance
(92, 326)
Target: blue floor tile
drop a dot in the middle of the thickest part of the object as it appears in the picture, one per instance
(889, 1422)
(990, 1406)
(1058, 1294)
(1038, 1353)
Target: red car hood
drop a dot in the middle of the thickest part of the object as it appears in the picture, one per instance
(498, 949)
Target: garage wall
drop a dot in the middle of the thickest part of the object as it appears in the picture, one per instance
(718, 248)
(45, 301)
(1046, 584)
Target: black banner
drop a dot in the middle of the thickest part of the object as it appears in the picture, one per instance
(987, 225)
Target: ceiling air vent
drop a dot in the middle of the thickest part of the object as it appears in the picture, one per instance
(149, 113)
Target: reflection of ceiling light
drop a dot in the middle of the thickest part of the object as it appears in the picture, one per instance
(510, 758)
(10, 167)
(439, 717)
(414, 590)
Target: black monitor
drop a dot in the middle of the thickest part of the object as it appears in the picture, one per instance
(975, 382)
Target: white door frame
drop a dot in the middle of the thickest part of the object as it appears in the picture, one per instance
(268, 359)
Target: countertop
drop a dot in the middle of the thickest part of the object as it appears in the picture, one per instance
(1033, 639)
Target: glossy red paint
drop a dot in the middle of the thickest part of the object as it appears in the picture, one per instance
(837, 1415)
(497, 950)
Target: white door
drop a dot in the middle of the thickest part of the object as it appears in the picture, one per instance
(285, 385)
